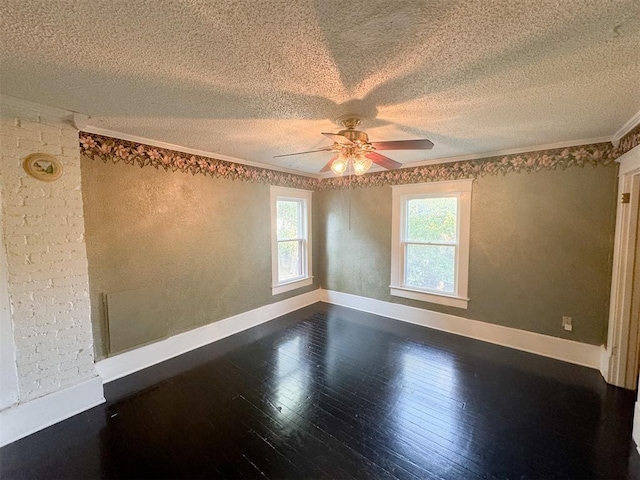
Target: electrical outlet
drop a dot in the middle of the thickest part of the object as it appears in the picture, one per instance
(566, 323)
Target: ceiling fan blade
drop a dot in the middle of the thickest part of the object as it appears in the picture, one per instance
(325, 149)
(404, 145)
(334, 137)
(327, 167)
(383, 161)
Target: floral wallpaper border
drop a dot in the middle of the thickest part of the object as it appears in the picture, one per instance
(630, 140)
(108, 149)
(561, 158)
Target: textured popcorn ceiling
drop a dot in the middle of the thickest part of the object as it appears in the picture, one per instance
(253, 79)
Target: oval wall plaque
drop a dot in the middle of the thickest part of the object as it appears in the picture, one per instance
(43, 166)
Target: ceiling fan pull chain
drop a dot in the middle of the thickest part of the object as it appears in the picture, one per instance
(349, 194)
(350, 175)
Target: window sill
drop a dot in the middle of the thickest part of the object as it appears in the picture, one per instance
(285, 287)
(447, 300)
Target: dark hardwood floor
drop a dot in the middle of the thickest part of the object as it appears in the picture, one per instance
(328, 392)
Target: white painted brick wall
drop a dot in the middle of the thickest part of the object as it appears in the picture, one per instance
(46, 256)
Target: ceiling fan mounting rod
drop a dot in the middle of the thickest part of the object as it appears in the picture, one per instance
(349, 120)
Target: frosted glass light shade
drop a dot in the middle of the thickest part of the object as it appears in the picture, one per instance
(361, 164)
(339, 166)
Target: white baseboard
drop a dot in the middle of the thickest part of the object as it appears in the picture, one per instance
(605, 360)
(547, 346)
(126, 363)
(26, 418)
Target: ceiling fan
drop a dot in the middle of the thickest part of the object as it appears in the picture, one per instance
(353, 147)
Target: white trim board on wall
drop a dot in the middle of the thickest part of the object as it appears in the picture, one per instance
(629, 162)
(26, 418)
(619, 346)
(130, 362)
(626, 128)
(547, 346)
(133, 361)
(636, 425)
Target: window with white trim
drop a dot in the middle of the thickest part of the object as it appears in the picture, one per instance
(430, 242)
(290, 239)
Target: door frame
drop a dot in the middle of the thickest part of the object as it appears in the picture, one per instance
(623, 348)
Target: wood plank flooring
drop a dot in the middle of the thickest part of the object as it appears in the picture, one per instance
(328, 392)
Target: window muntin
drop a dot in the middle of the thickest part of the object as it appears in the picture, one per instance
(291, 241)
(430, 242)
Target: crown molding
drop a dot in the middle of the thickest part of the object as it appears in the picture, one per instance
(193, 151)
(39, 108)
(82, 122)
(626, 128)
(511, 151)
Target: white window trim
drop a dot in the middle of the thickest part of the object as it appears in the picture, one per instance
(400, 193)
(307, 276)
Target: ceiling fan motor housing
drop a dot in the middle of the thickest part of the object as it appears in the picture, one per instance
(356, 136)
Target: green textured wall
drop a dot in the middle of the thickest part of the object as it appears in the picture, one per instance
(205, 241)
(541, 248)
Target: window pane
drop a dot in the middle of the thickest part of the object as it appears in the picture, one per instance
(289, 219)
(430, 267)
(289, 265)
(432, 219)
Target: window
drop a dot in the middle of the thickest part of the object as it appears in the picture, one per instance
(290, 239)
(430, 242)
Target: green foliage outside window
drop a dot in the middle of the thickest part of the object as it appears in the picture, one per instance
(431, 221)
(289, 226)
(289, 214)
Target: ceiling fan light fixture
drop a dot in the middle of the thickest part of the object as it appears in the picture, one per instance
(361, 164)
(339, 165)
(354, 150)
